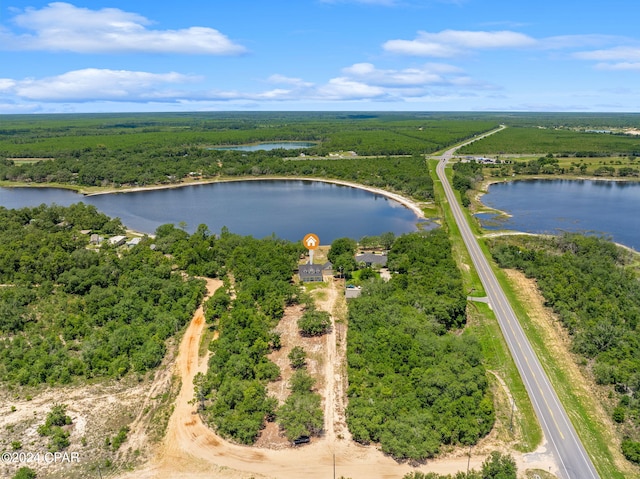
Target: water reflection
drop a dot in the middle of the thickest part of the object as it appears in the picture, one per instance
(288, 208)
(604, 208)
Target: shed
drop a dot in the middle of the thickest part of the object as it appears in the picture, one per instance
(95, 239)
(351, 291)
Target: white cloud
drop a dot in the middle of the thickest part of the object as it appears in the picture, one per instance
(622, 53)
(566, 42)
(281, 79)
(275, 94)
(420, 48)
(429, 74)
(385, 3)
(618, 66)
(620, 58)
(64, 27)
(449, 43)
(394, 3)
(92, 84)
(6, 84)
(358, 82)
(346, 89)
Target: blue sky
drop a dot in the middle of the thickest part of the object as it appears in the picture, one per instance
(373, 55)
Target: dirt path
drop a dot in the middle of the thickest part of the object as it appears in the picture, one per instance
(334, 391)
(192, 450)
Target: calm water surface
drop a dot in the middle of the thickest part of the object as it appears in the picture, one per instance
(606, 208)
(287, 145)
(290, 208)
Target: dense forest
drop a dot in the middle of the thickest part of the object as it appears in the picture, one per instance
(257, 276)
(563, 142)
(367, 134)
(496, 466)
(413, 384)
(466, 175)
(590, 284)
(94, 150)
(69, 311)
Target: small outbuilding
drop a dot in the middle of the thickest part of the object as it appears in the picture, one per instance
(351, 291)
(327, 268)
(133, 242)
(95, 239)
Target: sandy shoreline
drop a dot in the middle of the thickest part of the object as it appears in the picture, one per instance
(403, 200)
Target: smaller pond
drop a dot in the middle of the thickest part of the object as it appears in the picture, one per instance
(606, 208)
(285, 145)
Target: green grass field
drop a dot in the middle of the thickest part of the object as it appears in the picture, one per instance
(561, 142)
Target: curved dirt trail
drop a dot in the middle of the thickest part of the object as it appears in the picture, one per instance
(190, 450)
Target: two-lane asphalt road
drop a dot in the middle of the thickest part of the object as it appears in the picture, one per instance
(572, 459)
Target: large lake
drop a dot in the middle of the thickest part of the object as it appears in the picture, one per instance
(288, 208)
(608, 208)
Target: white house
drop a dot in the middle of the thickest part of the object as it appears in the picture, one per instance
(117, 240)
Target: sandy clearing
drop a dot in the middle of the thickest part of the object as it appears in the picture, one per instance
(192, 450)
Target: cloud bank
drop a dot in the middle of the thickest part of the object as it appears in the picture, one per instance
(64, 27)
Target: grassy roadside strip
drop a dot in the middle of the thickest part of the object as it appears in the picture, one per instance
(471, 280)
(484, 324)
(578, 403)
(593, 435)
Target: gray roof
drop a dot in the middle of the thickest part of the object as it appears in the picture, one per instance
(310, 272)
(309, 269)
(380, 259)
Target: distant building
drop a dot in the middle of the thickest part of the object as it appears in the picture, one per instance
(351, 292)
(310, 273)
(327, 268)
(371, 259)
(95, 239)
(134, 242)
(486, 161)
(118, 240)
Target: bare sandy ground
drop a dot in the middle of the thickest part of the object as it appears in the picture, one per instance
(191, 450)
